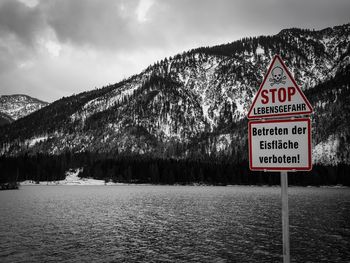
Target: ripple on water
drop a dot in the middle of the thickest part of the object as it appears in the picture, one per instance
(171, 224)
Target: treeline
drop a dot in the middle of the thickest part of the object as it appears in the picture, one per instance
(142, 169)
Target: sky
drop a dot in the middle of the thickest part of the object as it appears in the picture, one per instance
(55, 48)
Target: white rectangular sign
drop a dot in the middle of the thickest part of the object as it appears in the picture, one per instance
(280, 145)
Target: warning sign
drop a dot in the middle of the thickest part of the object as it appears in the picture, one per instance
(279, 95)
(280, 145)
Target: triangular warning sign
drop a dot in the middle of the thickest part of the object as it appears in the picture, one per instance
(279, 95)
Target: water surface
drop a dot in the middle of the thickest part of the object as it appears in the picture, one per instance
(171, 224)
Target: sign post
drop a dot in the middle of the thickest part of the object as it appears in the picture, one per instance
(285, 217)
(280, 145)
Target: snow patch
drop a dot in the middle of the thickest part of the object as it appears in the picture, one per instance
(326, 152)
(103, 103)
(223, 141)
(240, 107)
(260, 50)
(36, 140)
(72, 178)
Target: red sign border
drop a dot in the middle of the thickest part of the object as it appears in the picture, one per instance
(295, 84)
(276, 169)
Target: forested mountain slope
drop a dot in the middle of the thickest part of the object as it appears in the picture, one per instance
(194, 105)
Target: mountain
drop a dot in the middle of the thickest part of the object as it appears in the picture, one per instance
(14, 107)
(194, 104)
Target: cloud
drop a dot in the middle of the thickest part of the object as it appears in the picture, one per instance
(97, 24)
(125, 25)
(142, 9)
(20, 28)
(24, 22)
(53, 48)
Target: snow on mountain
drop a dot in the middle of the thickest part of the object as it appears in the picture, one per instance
(196, 102)
(17, 106)
(325, 152)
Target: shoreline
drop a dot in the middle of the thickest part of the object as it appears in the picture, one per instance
(73, 179)
(44, 183)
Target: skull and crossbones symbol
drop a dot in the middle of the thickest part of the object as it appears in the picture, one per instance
(277, 76)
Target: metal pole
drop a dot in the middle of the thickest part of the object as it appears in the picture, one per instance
(285, 217)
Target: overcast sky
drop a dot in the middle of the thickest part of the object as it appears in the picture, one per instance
(54, 48)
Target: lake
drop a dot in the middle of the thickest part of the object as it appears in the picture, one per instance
(171, 224)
